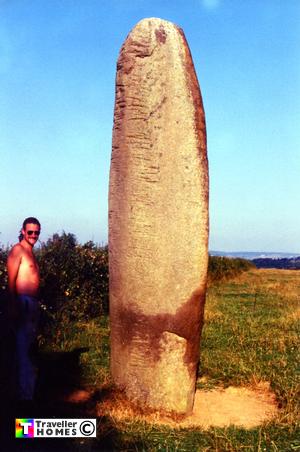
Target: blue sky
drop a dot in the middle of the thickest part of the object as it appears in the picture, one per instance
(57, 74)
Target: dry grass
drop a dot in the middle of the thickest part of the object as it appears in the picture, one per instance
(242, 407)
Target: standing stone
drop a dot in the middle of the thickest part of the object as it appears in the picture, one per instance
(158, 219)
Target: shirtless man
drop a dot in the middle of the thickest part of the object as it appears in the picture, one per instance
(23, 283)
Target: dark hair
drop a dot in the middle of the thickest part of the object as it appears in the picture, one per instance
(29, 220)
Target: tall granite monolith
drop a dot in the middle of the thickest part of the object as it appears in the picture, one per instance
(158, 219)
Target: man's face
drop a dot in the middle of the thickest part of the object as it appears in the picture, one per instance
(31, 233)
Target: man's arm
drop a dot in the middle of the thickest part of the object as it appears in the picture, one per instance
(13, 264)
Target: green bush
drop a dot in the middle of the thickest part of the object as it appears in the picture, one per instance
(3, 279)
(74, 278)
(3, 271)
(224, 268)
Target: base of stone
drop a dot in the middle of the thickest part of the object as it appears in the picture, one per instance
(237, 406)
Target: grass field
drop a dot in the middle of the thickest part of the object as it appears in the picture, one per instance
(251, 335)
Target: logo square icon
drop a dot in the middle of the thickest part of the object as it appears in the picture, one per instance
(24, 428)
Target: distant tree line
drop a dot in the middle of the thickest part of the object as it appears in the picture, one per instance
(282, 263)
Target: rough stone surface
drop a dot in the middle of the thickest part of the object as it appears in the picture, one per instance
(158, 219)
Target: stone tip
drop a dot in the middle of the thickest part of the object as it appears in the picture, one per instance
(155, 21)
(160, 28)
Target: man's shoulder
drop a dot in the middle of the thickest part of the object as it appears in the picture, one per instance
(16, 250)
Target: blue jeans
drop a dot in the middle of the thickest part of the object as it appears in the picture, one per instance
(26, 334)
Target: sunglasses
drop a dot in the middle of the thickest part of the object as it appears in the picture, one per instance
(33, 233)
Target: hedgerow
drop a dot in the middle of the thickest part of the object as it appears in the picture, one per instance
(223, 268)
(3, 271)
(74, 277)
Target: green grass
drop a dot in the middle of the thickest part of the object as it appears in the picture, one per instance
(252, 331)
(251, 334)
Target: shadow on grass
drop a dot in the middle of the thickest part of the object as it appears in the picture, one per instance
(59, 378)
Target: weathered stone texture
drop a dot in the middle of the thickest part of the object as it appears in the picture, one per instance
(158, 219)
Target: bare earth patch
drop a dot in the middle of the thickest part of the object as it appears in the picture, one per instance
(238, 406)
(78, 396)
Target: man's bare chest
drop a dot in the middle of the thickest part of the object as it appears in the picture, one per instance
(29, 263)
